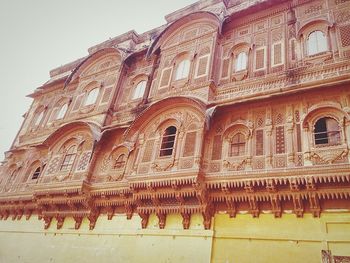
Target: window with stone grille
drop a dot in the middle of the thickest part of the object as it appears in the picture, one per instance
(237, 145)
(277, 54)
(147, 154)
(280, 140)
(139, 90)
(217, 148)
(120, 162)
(345, 35)
(327, 132)
(202, 66)
(259, 140)
(165, 78)
(182, 70)
(91, 97)
(225, 68)
(316, 43)
(69, 158)
(190, 144)
(260, 59)
(168, 142)
(241, 61)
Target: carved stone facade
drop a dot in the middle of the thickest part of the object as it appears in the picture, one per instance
(233, 106)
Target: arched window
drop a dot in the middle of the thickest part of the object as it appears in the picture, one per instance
(120, 162)
(36, 173)
(241, 61)
(92, 97)
(237, 147)
(13, 176)
(69, 158)
(183, 69)
(62, 112)
(139, 90)
(316, 43)
(39, 118)
(168, 141)
(327, 132)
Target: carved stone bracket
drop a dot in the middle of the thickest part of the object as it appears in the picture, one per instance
(78, 220)
(314, 205)
(253, 206)
(162, 220)
(298, 205)
(231, 207)
(47, 220)
(186, 220)
(144, 219)
(93, 218)
(276, 206)
(60, 221)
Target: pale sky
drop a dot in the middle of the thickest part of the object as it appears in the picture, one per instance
(39, 35)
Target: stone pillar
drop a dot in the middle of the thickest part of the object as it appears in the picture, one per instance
(306, 146)
(198, 147)
(268, 144)
(290, 138)
(178, 147)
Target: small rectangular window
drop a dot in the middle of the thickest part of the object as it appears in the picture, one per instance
(165, 78)
(202, 66)
(280, 142)
(260, 60)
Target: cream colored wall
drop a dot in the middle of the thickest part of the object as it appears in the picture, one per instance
(287, 239)
(241, 239)
(118, 240)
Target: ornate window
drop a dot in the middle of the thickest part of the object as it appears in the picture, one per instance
(237, 145)
(316, 43)
(168, 141)
(241, 61)
(69, 158)
(327, 132)
(120, 162)
(182, 70)
(62, 111)
(39, 117)
(91, 97)
(13, 176)
(36, 173)
(139, 90)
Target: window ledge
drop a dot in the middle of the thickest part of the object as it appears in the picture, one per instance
(87, 108)
(319, 57)
(239, 75)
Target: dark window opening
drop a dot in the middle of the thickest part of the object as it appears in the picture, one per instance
(120, 162)
(327, 132)
(237, 145)
(168, 141)
(36, 173)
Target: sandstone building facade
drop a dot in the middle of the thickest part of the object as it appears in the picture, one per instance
(221, 136)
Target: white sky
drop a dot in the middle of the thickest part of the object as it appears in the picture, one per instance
(39, 35)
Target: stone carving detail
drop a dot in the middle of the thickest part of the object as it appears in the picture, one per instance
(329, 156)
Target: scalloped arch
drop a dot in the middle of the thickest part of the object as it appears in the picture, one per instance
(190, 18)
(91, 59)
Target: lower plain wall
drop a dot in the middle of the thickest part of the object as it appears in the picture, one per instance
(241, 239)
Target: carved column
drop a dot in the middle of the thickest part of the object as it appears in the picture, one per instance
(289, 138)
(178, 147)
(249, 151)
(199, 147)
(306, 146)
(268, 144)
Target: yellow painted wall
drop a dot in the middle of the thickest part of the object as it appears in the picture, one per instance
(241, 239)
